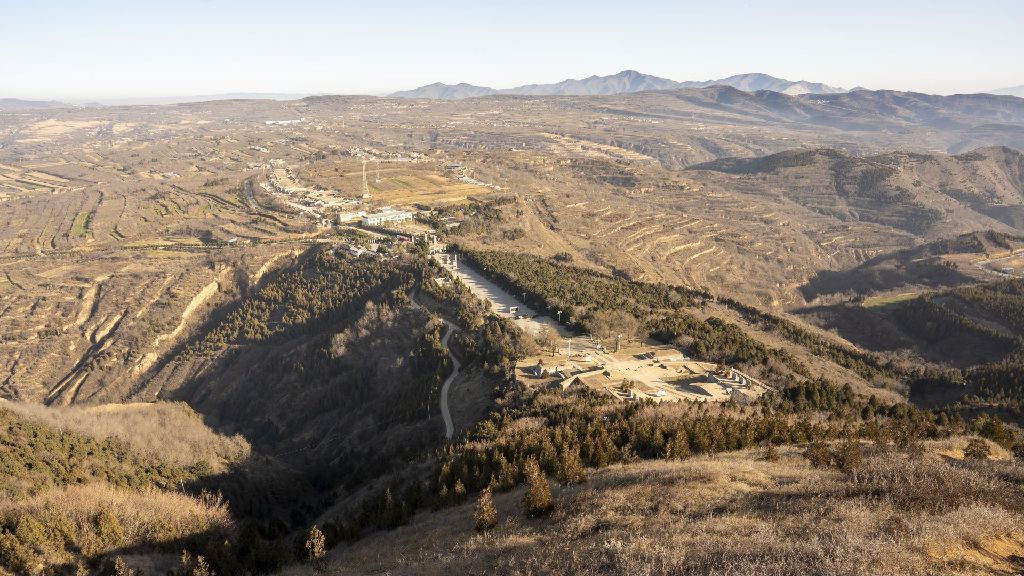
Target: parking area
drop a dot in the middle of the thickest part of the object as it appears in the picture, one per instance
(658, 373)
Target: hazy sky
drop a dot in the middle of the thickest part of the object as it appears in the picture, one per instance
(80, 49)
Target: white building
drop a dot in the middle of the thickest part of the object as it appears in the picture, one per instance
(388, 216)
(345, 217)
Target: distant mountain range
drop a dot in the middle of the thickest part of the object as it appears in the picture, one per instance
(624, 82)
(16, 104)
(158, 100)
(1017, 91)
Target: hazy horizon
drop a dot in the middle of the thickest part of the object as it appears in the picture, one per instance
(119, 50)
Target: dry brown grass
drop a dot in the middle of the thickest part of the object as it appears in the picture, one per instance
(67, 524)
(733, 514)
(171, 431)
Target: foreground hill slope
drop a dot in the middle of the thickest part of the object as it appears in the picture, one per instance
(81, 487)
(732, 514)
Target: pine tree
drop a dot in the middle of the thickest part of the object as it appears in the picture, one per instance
(570, 469)
(202, 568)
(548, 455)
(679, 446)
(485, 514)
(600, 456)
(108, 529)
(506, 473)
(537, 500)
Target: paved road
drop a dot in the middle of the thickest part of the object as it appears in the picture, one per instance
(984, 265)
(501, 300)
(449, 427)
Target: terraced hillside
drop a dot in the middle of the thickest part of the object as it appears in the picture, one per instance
(760, 228)
(961, 260)
(210, 253)
(927, 196)
(116, 222)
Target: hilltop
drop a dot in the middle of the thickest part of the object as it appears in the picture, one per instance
(756, 82)
(439, 91)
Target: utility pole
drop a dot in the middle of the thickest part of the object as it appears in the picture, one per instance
(559, 316)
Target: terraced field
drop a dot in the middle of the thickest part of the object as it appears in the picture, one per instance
(393, 183)
(113, 221)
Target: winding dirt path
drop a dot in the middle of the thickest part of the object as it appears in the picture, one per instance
(446, 414)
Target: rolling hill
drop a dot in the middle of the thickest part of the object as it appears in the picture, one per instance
(738, 514)
(439, 91)
(925, 195)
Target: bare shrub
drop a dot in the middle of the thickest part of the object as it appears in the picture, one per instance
(170, 430)
(95, 519)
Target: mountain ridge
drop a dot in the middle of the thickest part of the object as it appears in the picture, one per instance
(624, 82)
(19, 104)
(1017, 91)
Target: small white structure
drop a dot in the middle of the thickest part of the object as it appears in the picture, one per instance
(344, 217)
(386, 217)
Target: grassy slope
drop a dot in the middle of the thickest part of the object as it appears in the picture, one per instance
(736, 514)
(144, 427)
(75, 488)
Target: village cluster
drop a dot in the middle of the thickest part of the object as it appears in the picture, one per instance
(637, 373)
